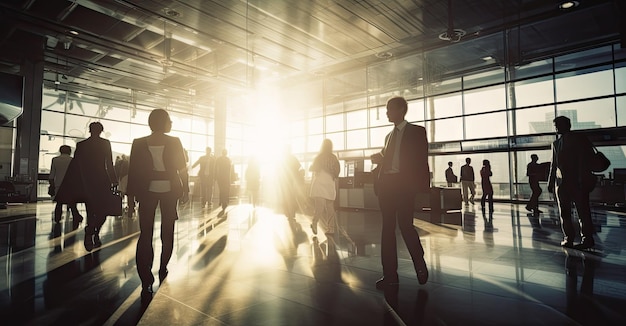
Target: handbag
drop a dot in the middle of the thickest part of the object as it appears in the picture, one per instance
(599, 162)
(112, 203)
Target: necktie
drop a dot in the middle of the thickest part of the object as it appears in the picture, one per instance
(390, 149)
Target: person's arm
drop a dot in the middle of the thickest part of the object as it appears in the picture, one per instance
(184, 178)
(197, 162)
(552, 175)
(182, 172)
(108, 163)
(52, 174)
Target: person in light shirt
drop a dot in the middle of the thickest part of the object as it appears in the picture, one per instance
(163, 185)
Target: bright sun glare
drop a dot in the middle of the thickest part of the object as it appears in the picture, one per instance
(270, 129)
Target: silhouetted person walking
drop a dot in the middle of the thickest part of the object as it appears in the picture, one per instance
(572, 179)
(91, 175)
(402, 174)
(450, 176)
(58, 168)
(206, 175)
(487, 187)
(325, 170)
(223, 171)
(290, 175)
(158, 177)
(467, 181)
(534, 173)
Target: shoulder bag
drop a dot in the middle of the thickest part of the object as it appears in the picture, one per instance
(599, 162)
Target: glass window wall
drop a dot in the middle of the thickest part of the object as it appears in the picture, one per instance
(590, 114)
(536, 91)
(485, 99)
(445, 106)
(445, 129)
(486, 125)
(533, 120)
(581, 84)
(482, 122)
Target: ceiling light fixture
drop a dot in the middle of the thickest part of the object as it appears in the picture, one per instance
(384, 55)
(453, 37)
(451, 34)
(566, 5)
(171, 12)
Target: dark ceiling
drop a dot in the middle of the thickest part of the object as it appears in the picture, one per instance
(189, 51)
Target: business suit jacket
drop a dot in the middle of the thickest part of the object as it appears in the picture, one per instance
(207, 166)
(58, 168)
(90, 175)
(141, 170)
(413, 163)
(467, 173)
(570, 166)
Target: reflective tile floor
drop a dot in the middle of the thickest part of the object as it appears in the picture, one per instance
(253, 267)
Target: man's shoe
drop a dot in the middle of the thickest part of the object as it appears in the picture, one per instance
(422, 273)
(163, 274)
(528, 208)
(567, 244)
(586, 244)
(385, 282)
(96, 241)
(146, 292)
(88, 241)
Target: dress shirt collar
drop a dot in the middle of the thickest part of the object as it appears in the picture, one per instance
(401, 125)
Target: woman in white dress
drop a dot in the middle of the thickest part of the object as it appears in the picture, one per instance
(325, 170)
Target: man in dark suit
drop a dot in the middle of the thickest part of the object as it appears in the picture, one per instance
(570, 172)
(206, 177)
(402, 174)
(223, 171)
(467, 181)
(89, 179)
(533, 171)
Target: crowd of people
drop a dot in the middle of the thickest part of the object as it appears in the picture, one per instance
(156, 175)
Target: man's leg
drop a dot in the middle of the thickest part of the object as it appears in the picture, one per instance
(330, 216)
(75, 214)
(202, 185)
(465, 190)
(533, 203)
(58, 212)
(318, 212)
(168, 218)
(406, 204)
(584, 214)
(209, 190)
(145, 251)
(565, 208)
(388, 201)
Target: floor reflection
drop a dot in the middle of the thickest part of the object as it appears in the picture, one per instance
(253, 266)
